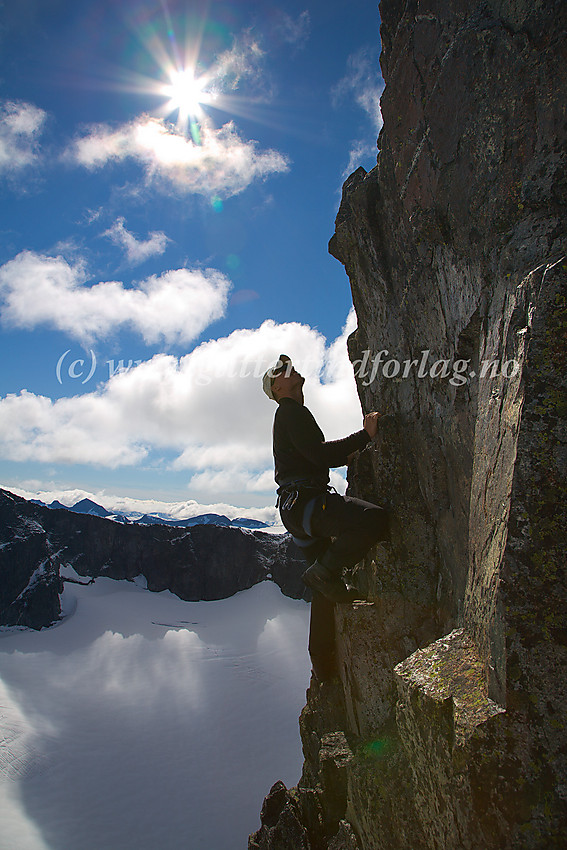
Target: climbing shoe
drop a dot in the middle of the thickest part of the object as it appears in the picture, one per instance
(321, 579)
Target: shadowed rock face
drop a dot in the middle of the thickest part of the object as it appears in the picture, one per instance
(451, 694)
(29, 576)
(200, 563)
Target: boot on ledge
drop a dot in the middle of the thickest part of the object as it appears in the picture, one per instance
(325, 582)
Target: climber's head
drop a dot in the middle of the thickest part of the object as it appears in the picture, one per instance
(283, 381)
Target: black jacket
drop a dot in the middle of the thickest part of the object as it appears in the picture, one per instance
(300, 450)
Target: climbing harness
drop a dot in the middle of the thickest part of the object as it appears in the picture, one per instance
(288, 495)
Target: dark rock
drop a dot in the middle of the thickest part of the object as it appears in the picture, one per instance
(29, 576)
(345, 839)
(334, 757)
(201, 563)
(452, 679)
(273, 804)
(281, 827)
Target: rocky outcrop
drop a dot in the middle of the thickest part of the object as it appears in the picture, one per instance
(451, 688)
(30, 583)
(200, 563)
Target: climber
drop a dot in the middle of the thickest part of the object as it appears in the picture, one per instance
(333, 532)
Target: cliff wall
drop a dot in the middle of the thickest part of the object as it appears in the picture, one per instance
(199, 563)
(446, 726)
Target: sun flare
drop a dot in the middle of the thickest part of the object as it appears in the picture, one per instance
(193, 92)
(186, 92)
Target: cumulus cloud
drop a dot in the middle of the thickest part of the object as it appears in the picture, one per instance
(195, 156)
(137, 250)
(34, 427)
(21, 125)
(204, 413)
(222, 163)
(47, 291)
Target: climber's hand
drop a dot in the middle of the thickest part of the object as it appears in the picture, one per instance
(370, 423)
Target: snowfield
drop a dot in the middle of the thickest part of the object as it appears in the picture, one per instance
(143, 722)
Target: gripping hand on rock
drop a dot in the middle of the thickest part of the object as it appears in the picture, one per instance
(370, 423)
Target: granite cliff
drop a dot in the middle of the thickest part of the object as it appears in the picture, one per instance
(445, 726)
(200, 563)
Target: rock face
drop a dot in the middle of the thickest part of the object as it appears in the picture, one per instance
(30, 584)
(200, 563)
(451, 690)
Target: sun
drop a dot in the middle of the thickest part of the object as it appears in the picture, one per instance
(186, 93)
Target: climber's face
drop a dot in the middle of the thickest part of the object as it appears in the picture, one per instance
(287, 382)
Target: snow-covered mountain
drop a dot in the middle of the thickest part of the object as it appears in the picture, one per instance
(203, 562)
(87, 506)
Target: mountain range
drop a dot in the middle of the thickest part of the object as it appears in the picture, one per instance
(38, 543)
(87, 506)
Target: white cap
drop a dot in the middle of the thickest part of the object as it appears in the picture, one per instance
(273, 371)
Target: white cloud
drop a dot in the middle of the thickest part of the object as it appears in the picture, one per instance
(294, 31)
(126, 504)
(137, 250)
(174, 307)
(238, 481)
(241, 61)
(359, 153)
(222, 163)
(20, 127)
(36, 428)
(363, 80)
(206, 408)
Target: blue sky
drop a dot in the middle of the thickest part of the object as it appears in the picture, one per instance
(169, 174)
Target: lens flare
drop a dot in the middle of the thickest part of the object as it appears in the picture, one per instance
(375, 749)
(194, 66)
(186, 92)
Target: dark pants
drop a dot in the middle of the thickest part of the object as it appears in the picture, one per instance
(322, 645)
(343, 530)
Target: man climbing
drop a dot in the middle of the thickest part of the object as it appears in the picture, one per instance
(334, 532)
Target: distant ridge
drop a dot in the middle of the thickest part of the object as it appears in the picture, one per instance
(202, 519)
(54, 504)
(87, 506)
